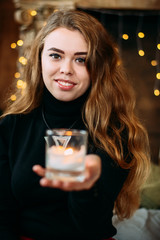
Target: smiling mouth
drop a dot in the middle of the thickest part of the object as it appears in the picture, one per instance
(65, 84)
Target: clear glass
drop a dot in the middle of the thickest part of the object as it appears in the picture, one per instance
(65, 154)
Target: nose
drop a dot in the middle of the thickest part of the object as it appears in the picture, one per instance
(66, 67)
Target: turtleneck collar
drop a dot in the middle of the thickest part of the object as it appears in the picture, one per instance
(59, 108)
(60, 114)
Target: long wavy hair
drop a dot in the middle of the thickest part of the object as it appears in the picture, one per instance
(109, 109)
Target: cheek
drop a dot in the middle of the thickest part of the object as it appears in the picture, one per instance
(47, 69)
(46, 65)
(88, 83)
(87, 80)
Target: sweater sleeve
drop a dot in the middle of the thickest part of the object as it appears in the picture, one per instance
(8, 208)
(92, 210)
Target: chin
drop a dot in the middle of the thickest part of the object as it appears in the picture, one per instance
(65, 99)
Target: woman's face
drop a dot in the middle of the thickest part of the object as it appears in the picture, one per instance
(63, 64)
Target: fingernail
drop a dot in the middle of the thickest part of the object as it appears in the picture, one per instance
(34, 167)
(43, 181)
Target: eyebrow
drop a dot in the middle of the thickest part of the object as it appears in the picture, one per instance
(61, 51)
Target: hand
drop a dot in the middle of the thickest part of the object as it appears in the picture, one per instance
(92, 173)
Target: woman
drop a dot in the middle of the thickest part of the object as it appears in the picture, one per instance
(74, 80)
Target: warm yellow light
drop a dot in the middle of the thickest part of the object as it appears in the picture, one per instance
(158, 46)
(55, 10)
(13, 45)
(19, 43)
(141, 35)
(19, 83)
(156, 92)
(13, 97)
(23, 60)
(17, 75)
(33, 13)
(154, 63)
(158, 75)
(141, 53)
(125, 36)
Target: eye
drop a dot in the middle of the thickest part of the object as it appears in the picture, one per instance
(55, 56)
(80, 60)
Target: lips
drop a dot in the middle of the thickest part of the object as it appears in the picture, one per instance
(65, 84)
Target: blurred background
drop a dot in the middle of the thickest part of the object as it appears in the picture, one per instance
(134, 25)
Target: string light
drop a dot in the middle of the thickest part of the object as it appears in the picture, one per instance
(17, 75)
(154, 63)
(158, 75)
(125, 36)
(13, 45)
(19, 83)
(156, 92)
(13, 97)
(157, 81)
(23, 60)
(33, 13)
(141, 53)
(141, 35)
(19, 43)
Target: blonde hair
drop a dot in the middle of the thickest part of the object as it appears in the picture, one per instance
(109, 109)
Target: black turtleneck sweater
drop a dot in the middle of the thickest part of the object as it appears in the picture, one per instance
(41, 213)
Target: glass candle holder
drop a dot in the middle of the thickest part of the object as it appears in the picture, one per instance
(65, 154)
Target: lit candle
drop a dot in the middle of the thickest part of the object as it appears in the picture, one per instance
(65, 158)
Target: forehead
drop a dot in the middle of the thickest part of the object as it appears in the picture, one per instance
(66, 39)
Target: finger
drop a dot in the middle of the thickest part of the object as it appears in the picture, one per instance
(39, 170)
(44, 182)
(65, 186)
(62, 185)
(55, 183)
(73, 186)
(93, 167)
